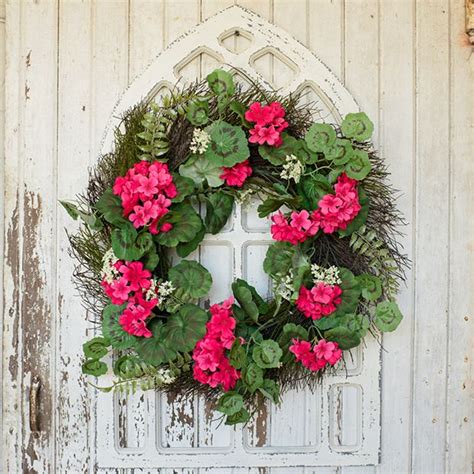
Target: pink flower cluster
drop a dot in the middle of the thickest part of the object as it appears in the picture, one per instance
(335, 211)
(269, 123)
(132, 286)
(145, 192)
(319, 301)
(319, 356)
(212, 367)
(237, 174)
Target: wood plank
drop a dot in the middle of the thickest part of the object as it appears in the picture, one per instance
(74, 115)
(397, 148)
(432, 236)
(460, 378)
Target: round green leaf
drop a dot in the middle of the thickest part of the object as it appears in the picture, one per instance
(277, 155)
(95, 348)
(244, 296)
(357, 126)
(345, 338)
(221, 82)
(228, 144)
(198, 112)
(186, 327)
(371, 286)
(271, 390)
(230, 403)
(237, 355)
(359, 165)
(110, 206)
(305, 154)
(241, 416)
(112, 330)
(387, 316)
(156, 350)
(320, 136)
(350, 293)
(201, 169)
(279, 258)
(267, 354)
(357, 323)
(191, 277)
(185, 187)
(126, 366)
(94, 367)
(252, 377)
(290, 331)
(339, 153)
(185, 248)
(186, 224)
(218, 209)
(124, 243)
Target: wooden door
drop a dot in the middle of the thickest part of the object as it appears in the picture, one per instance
(77, 59)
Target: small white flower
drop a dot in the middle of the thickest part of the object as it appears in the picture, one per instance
(165, 376)
(330, 275)
(109, 272)
(292, 169)
(244, 196)
(200, 141)
(285, 287)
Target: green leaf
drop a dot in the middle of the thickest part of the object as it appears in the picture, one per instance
(290, 331)
(221, 83)
(320, 136)
(339, 153)
(279, 259)
(186, 224)
(305, 154)
(244, 296)
(156, 350)
(94, 367)
(112, 330)
(370, 285)
(201, 169)
(125, 366)
(312, 188)
(357, 323)
(267, 354)
(96, 348)
(259, 301)
(125, 243)
(277, 155)
(357, 126)
(327, 322)
(218, 209)
(387, 316)
(271, 390)
(252, 377)
(185, 187)
(361, 218)
(110, 206)
(239, 108)
(191, 277)
(185, 248)
(230, 403)
(301, 267)
(151, 260)
(241, 416)
(237, 355)
(198, 112)
(268, 206)
(345, 338)
(71, 209)
(359, 166)
(228, 144)
(350, 293)
(186, 327)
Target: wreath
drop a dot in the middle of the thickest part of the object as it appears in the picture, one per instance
(335, 264)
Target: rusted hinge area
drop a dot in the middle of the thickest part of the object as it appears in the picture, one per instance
(470, 20)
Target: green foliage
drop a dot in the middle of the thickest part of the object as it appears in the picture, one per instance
(186, 224)
(191, 277)
(370, 285)
(198, 112)
(183, 249)
(237, 355)
(110, 206)
(387, 316)
(185, 187)
(357, 323)
(270, 390)
(184, 328)
(312, 188)
(252, 377)
(230, 403)
(156, 350)
(277, 155)
(76, 211)
(290, 331)
(228, 144)
(96, 348)
(279, 258)
(359, 165)
(128, 245)
(357, 126)
(241, 416)
(343, 336)
(221, 83)
(244, 296)
(94, 367)
(340, 152)
(111, 329)
(218, 209)
(151, 259)
(320, 137)
(201, 169)
(267, 354)
(350, 292)
(361, 217)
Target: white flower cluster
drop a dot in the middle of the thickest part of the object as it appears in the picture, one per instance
(200, 141)
(285, 287)
(292, 169)
(330, 275)
(109, 272)
(244, 196)
(164, 376)
(162, 290)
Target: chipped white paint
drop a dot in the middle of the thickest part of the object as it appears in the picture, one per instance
(68, 63)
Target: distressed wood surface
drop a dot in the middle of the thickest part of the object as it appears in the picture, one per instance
(408, 64)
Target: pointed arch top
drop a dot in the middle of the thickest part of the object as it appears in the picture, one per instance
(303, 65)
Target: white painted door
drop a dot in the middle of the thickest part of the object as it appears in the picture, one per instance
(76, 60)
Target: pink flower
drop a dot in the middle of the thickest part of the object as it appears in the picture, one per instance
(301, 227)
(319, 356)
(262, 135)
(148, 186)
(133, 319)
(136, 275)
(269, 123)
(329, 204)
(237, 174)
(321, 300)
(120, 289)
(300, 220)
